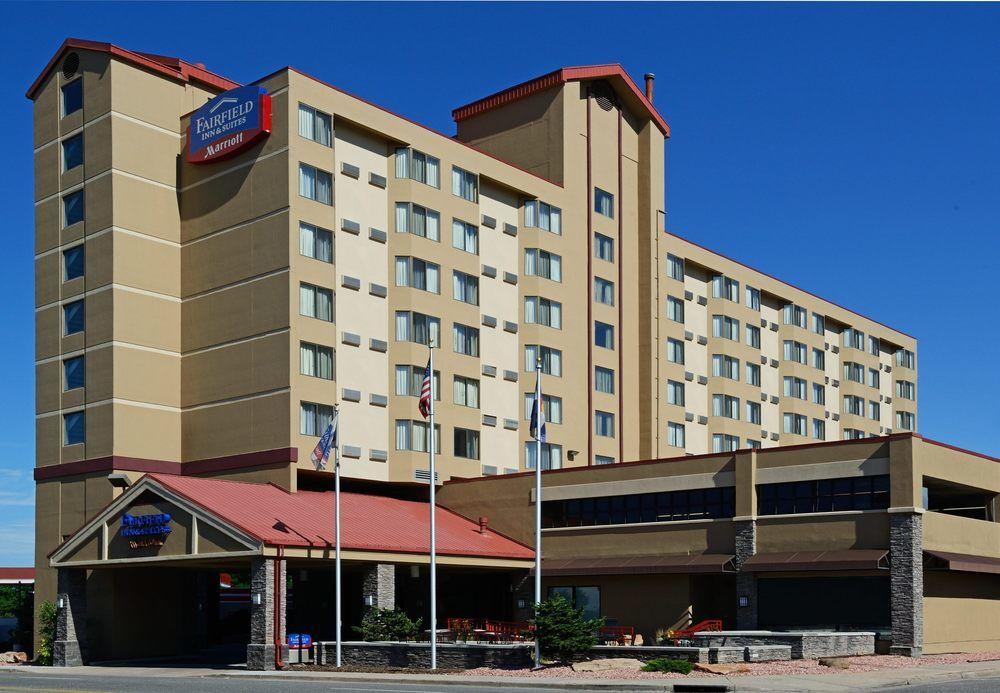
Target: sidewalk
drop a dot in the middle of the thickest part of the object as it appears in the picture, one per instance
(755, 684)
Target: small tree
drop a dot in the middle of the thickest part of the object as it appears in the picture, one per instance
(387, 624)
(46, 632)
(562, 631)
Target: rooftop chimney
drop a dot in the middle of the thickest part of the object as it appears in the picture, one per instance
(483, 525)
(649, 86)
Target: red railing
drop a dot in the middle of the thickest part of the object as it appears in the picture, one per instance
(489, 629)
(709, 624)
(618, 635)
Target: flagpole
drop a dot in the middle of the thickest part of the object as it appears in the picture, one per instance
(538, 505)
(336, 515)
(433, 546)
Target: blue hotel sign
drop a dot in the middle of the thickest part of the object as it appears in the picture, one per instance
(229, 124)
(145, 530)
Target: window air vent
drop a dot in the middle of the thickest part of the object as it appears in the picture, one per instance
(70, 65)
(424, 475)
(604, 95)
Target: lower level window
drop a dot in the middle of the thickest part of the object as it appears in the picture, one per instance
(74, 428)
(586, 598)
(551, 455)
(604, 424)
(466, 443)
(675, 434)
(725, 443)
(412, 435)
(313, 418)
(603, 459)
(824, 495)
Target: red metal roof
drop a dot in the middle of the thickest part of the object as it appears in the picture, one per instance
(17, 574)
(369, 523)
(615, 72)
(172, 67)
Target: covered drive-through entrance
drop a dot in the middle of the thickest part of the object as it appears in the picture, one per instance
(182, 566)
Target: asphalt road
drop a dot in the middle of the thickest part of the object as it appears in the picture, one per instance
(965, 686)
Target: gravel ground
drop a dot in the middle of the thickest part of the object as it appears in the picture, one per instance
(796, 666)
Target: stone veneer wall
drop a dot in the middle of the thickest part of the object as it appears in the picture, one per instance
(417, 655)
(746, 583)
(260, 651)
(804, 645)
(906, 583)
(70, 619)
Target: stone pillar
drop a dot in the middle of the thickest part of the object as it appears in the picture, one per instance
(379, 585)
(906, 583)
(746, 582)
(260, 651)
(72, 596)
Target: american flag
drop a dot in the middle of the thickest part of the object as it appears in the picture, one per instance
(329, 439)
(425, 393)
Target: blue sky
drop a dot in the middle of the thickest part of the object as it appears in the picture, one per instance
(852, 150)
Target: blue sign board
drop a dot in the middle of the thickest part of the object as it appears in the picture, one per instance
(228, 124)
(157, 525)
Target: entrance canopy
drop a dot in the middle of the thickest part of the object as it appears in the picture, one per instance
(173, 518)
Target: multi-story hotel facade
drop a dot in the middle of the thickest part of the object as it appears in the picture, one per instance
(203, 318)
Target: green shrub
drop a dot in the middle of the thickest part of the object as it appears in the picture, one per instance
(46, 632)
(563, 633)
(387, 624)
(669, 666)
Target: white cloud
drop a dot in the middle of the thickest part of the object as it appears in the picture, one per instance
(17, 544)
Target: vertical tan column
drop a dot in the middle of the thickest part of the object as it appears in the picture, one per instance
(745, 524)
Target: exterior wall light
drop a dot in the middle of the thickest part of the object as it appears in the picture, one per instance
(744, 600)
(61, 603)
(256, 599)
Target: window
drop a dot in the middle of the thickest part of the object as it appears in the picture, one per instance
(753, 374)
(464, 184)
(675, 434)
(551, 359)
(72, 152)
(725, 443)
(413, 435)
(905, 358)
(551, 407)
(410, 380)
(542, 311)
(725, 367)
(72, 97)
(873, 345)
(74, 428)
(753, 336)
(753, 412)
(726, 406)
(465, 287)
(418, 166)
(604, 291)
(819, 324)
(465, 339)
(315, 302)
(675, 309)
(466, 392)
(417, 327)
(604, 203)
(675, 350)
(753, 298)
(73, 317)
(819, 394)
(542, 263)
(795, 351)
(819, 429)
(854, 339)
(753, 444)
(604, 380)
(795, 423)
(73, 262)
(419, 221)
(551, 455)
(73, 208)
(819, 358)
(315, 242)
(824, 495)
(874, 410)
(315, 184)
(675, 267)
(853, 434)
(74, 373)
(315, 125)
(604, 335)
(854, 372)
(906, 389)
(795, 315)
(794, 387)
(604, 424)
(603, 459)
(905, 420)
(465, 236)
(314, 418)
(726, 327)
(540, 215)
(316, 360)
(873, 377)
(854, 405)
(418, 274)
(724, 287)
(637, 508)
(466, 443)
(675, 393)
(604, 247)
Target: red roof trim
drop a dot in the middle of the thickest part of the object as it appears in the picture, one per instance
(553, 79)
(171, 67)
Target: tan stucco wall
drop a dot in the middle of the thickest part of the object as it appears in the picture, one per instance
(961, 612)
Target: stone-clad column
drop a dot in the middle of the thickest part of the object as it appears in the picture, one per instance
(906, 583)
(746, 582)
(72, 595)
(379, 585)
(260, 651)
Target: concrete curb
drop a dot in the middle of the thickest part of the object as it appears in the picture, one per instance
(455, 680)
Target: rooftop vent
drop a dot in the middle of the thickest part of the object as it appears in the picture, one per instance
(71, 65)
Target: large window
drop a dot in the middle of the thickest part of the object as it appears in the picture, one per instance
(542, 311)
(604, 424)
(465, 184)
(410, 380)
(604, 291)
(874, 410)
(551, 359)
(906, 389)
(315, 302)
(753, 374)
(604, 335)
(854, 405)
(725, 367)
(795, 351)
(72, 152)
(466, 391)
(819, 393)
(315, 184)
(675, 351)
(639, 508)
(726, 327)
(418, 166)
(874, 346)
(74, 428)
(818, 358)
(819, 324)
(753, 412)
(465, 236)
(314, 418)
(72, 204)
(819, 429)
(753, 336)
(315, 125)
(316, 360)
(466, 443)
(420, 221)
(854, 339)
(73, 317)
(417, 327)
(74, 373)
(726, 406)
(465, 287)
(604, 380)
(675, 267)
(905, 358)
(795, 315)
(873, 378)
(722, 442)
(418, 274)
(604, 203)
(413, 435)
(73, 262)
(905, 420)
(315, 242)
(551, 455)
(586, 598)
(72, 96)
(675, 309)
(538, 214)
(753, 298)
(823, 495)
(551, 407)
(794, 387)
(855, 372)
(675, 393)
(724, 287)
(465, 339)
(604, 247)
(542, 263)
(795, 423)
(675, 434)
